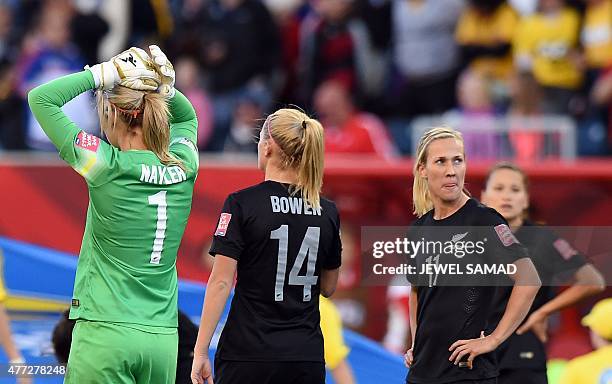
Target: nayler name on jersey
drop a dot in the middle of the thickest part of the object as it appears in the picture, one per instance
(159, 174)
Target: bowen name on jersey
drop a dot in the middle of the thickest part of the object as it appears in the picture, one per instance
(294, 205)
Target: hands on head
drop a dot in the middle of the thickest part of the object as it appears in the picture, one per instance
(136, 69)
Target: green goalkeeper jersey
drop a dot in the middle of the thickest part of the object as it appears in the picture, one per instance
(138, 209)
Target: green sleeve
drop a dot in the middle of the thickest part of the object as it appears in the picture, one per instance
(184, 131)
(183, 120)
(46, 103)
(91, 157)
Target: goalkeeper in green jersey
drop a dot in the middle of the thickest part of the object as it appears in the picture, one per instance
(140, 191)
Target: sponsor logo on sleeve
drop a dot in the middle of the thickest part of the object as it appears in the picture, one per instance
(566, 250)
(505, 235)
(224, 221)
(86, 141)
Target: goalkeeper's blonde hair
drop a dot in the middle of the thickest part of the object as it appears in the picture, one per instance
(421, 197)
(149, 110)
(300, 140)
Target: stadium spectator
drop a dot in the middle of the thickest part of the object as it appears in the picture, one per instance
(596, 36)
(61, 338)
(448, 321)
(484, 34)
(11, 110)
(240, 48)
(425, 56)
(546, 44)
(525, 112)
(8, 37)
(327, 48)
(337, 46)
(88, 28)
(150, 19)
(507, 191)
(596, 40)
(477, 114)
(116, 13)
(602, 96)
(348, 130)
(287, 15)
(336, 351)
(594, 367)
(49, 54)
(245, 125)
(189, 82)
(11, 106)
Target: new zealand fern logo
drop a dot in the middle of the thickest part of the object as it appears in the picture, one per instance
(458, 237)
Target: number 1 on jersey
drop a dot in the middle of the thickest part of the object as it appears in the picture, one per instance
(159, 199)
(309, 249)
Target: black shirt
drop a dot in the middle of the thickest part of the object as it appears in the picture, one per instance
(281, 244)
(447, 313)
(555, 261)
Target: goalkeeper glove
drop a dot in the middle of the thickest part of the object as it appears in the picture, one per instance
(165, 69)
(132, 69)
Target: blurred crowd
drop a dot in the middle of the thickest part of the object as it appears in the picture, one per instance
(365, 68)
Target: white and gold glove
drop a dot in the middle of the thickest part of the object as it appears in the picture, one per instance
(165, 69)
(132, 69)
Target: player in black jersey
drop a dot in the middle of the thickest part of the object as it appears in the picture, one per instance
(522, 358)
(451, 339)
(283, 241)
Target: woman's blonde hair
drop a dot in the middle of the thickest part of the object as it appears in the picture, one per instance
(300, 140)
(420, 190)
(149, 110)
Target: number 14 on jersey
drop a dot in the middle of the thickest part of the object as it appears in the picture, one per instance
(308, 252)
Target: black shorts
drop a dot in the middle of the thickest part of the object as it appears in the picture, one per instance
(478, 381)
(492, 380)
(272, 372)
(523, 376)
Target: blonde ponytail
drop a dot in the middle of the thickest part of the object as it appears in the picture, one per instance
(421, 198)
(149, 110)
(156, 128)
(301, 141)
(310, 171)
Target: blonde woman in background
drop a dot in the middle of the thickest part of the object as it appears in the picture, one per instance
(280, 239)
(452, 337)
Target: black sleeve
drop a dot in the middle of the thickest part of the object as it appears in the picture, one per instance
(564, 259)
(503, 246)
(228, 240)
(334, 260)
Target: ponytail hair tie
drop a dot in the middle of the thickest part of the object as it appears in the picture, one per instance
(133, 112)
(304, 124)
